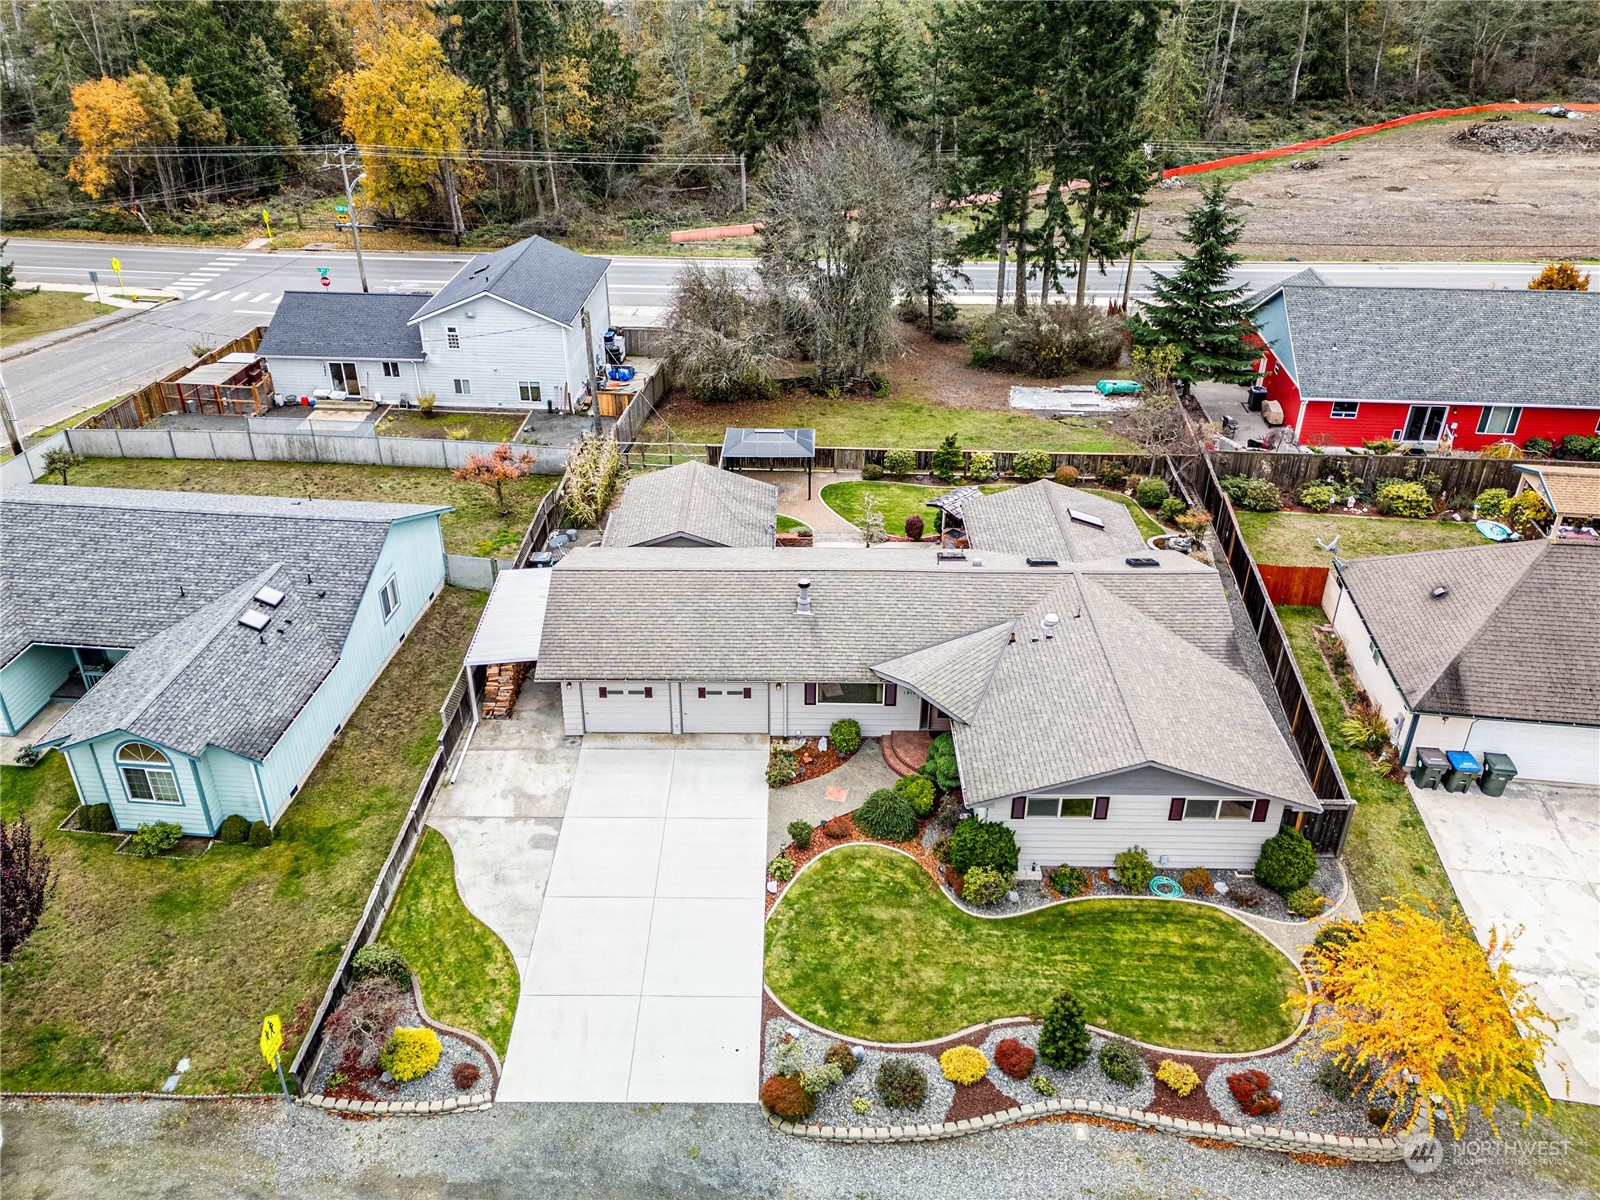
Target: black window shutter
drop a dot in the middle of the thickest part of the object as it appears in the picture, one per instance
(891, 694)
(649, 692)
(1175, 809)
(1102, 806)
(602, 693)
(1019, 807)
(747, 693)
(1260, 813)
(811, 693)
(702, 692)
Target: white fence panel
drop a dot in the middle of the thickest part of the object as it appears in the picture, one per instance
(410, 452)
(192, 443)
(145, 443)
(463, 570)
(232, 444)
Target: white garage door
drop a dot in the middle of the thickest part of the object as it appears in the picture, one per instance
(725, 708)
(1559, 753)
(627, 706)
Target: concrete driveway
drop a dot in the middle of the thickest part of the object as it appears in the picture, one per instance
(1531, 858)
(644, 980)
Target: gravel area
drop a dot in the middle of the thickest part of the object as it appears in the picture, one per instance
(833, 1106)
(1305, 1104)
(1327, 881)
(1086, 1082)
(437, 1084)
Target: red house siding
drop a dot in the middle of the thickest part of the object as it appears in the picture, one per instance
(1281, 387)
(1375, 420)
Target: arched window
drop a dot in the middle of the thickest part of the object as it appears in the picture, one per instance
(147, 774)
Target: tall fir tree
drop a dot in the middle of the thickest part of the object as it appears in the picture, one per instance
(881, 72)
(774, 94)
(1197, 309)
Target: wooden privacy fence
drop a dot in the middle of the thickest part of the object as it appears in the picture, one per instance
(1300, 586)
(1460, 476)
(138, 409)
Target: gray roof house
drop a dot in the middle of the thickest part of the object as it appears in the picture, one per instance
(1493, 647)
(534, 275)
(334, 325)
(226, 637)
(694, 504)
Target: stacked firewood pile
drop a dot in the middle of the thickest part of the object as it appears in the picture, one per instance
(503, 682)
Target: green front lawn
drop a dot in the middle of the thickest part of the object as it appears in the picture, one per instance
(141, 962)
(468, 977)
(790, 524)
(1147, 525)
(456, 426)
(897, 500)
(1388, 852)
(45, 312)
(1289, 539)
(862, 943)
(473, 527)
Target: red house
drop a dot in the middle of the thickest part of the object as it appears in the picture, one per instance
(1443, 368)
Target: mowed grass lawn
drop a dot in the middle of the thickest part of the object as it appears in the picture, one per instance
(897, 500)
(474, 527)
(45, 312)
(1289, 539)
(140, 962)
(463, 427)
(862, 943)
(1147, 525)
(468, 977)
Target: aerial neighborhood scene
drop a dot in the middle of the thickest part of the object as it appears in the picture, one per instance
(800, 598)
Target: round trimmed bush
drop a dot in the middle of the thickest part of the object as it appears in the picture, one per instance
(1402, 499)
(871, 471)
(381, 961)
(1151, 492)
(786, 1096)
(980, 467)
(411, 1053)
(900, 462)
(963, 1065)
(1135, 870)
(844, 735)
(984, 886)
(841, 1056)
(260, 834)
(918, 792)
(781, 869)
(800, 834)
(1318, 496)
(1180, 1077)
(1064, 1035)
(464, 1075)
(1493, 503)
(975, 843)
(1122, 1063)
(915, 527)
(98, 818)
(1070, 881)
(1171, 508)
(901, 1083)
(1031, 464)
(1287, 861)
(1067, 476)
(1015, 1059)
(1305, 902)
(1196, 881)
(1112, 474)
(234, 830)
(887, 817)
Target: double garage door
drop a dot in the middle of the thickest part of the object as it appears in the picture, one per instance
(645, 706)
(1558, 753)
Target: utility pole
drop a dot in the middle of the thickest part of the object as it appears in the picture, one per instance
(11, 425)
(744, 185)
(594, 376)
(1133, 246)
(355, 226)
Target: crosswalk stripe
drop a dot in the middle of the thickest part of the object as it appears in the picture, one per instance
(260, 298)
(198, 294)
(241, 296)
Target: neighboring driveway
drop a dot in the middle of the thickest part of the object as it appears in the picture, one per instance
(644, 981)
(1531, 858)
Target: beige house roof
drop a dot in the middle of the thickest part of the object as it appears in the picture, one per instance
(1571, 491)
(694, 504)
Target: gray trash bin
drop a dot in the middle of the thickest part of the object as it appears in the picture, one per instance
(1430, 768)
(1498, 770)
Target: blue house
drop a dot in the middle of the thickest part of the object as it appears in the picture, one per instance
(214, 645)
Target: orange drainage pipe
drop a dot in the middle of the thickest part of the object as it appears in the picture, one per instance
(714, 232)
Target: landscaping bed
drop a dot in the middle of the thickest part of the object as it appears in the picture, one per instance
(897, 500)
(451, 425)
(811, 761)
(1327, 882)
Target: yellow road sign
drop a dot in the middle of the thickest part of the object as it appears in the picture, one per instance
(271, 1038)
(116, 264)
(267, 217)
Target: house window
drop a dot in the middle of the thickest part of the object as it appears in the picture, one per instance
(147, 774)
(463, 387)
(1235, 810)
(389, 598)
(391, 370)
(529, 393)
(1345, 409)
(344, 377)
(850, 693)
(452, 337)
(1070, 806)
(1498, 418)
(1218, 810)
(1200, 810)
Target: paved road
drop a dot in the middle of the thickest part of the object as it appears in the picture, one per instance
(226, 292)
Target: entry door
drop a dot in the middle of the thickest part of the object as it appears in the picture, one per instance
(933, 720)
(717, 707)
(1425, 422)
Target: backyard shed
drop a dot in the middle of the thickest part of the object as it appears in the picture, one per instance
(777, 449)
(236, 384)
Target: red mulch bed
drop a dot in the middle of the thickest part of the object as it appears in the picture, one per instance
(813, 762)
(978, 1100)
(1196, 1106)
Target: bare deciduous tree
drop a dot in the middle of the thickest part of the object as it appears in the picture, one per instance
(716, 347)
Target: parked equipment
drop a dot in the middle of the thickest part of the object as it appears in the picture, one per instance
(620, 374)
(616, 346)
(1430, 768)
(1118, 387)
(1498, 770)
(1464, 768)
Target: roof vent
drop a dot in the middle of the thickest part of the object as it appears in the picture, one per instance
(251, 619)
(1036, 561)
(1440, 592)
(951, 556)
(1083, 518)
(270, 596)
(802, 605)
(1142, 562)
(1051, 620)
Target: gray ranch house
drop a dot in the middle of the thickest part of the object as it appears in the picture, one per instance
(507, 331)
(1094, 702)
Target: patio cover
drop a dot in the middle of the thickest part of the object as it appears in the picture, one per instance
(796, 445)
(512, 624)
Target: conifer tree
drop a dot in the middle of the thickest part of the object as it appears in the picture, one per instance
(774, 94)
(881, 71)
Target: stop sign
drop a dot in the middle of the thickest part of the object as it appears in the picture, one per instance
(326, 282)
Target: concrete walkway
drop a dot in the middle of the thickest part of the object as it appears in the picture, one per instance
(864, 774)
(33, 730)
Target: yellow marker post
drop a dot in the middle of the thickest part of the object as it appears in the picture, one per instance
(116, 265)
(267, 218)
(272, 1047)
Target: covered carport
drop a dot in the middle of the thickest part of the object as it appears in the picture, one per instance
(505, 646)
(770, 449)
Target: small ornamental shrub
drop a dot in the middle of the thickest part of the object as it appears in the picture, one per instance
(1135, 870)
(1252, 1092)
(1030, 464)
(1492, 503)
(1318, 496)
(153, 838)
(1070, 881)
(260, 834)
(871, 472)
(1067, 476)
(985, 886)
(1171, 508)
(1195, 522)
(411, 1053)
(1015, 1059)
(790, 1058)
(1121, 1063)
(98, 818)
(1578, 445)
(1528, 514)
(1364, 729)
(1287, 861)
(381, 961)
(980, 467)
(1063, 1035)
(940, 765)
(975, 843)
(1537, 447)
(887, 817)
(1305, 902)
(1261, 495)
(901, 1083)
(464, 1075)
(786, 1097)
(841, 1056)
(1245, 896)
(360, 1026)
(915, 527)
(1334, 935)
(900, 462)
(800, 834)
(1180, 1077)
(941, 849)
(782, 767)
(233, 831)
(844, 735)
(1338, 1081)
(781, 869)
(1399, 498)
(1042, 1085)
(1431, 483)
(860, 1105)
(1382, 446)
(948, 460)
(1151, 492)
(1112, 473)
(820, 1079)
(963, 1065)
(918, 792)
(1196, 881)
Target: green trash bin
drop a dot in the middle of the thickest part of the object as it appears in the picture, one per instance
(1464, 768)
(1430, 768)
(1498, 770)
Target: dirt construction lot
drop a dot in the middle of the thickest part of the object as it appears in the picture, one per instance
(1416, 194)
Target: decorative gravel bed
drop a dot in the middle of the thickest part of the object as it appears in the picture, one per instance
(1327, 882)
(1087, 1082)
(366, 1082)
(833, 1106)
(1306, 1104)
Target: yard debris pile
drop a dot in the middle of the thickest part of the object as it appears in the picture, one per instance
(500, 688)
(1516, 137)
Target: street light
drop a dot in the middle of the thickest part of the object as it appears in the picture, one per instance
(350, 206)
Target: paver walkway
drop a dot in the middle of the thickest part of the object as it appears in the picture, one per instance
(827, 526)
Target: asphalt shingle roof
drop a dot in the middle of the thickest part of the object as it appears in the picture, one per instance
(1036, 519)
(1445, 345)
(338, 325)
(1306, 278)
(1515, 635)
(1572, 491)
(535, 274)
(694, 500)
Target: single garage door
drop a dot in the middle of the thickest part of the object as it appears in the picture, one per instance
(725, 708)
(627, 706)
(1558, 753)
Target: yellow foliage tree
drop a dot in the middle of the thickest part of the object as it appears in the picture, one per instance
(404, 95)
(1559, 277)
(109, 123)
(1411, 1004)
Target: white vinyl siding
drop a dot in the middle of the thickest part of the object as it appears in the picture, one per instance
(813, 720)
(627, 706)
(501, 349)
